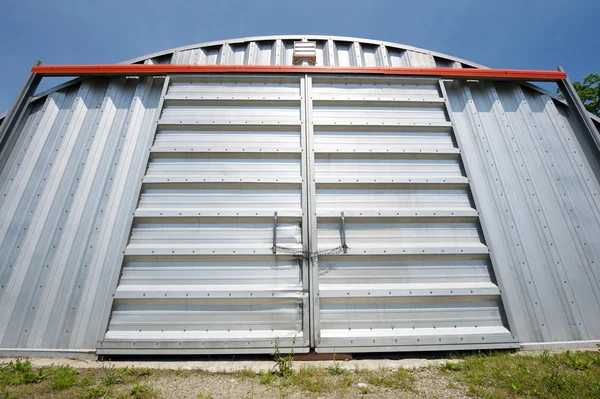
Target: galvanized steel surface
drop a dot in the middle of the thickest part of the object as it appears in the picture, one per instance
(278, 50)
(199, 272)
(65, 191)
(466, 227)
(410, 223)
(537, 185)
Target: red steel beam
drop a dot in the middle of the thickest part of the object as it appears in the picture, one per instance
(164, 69)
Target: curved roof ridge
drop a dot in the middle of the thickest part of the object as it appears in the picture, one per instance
(300, 37)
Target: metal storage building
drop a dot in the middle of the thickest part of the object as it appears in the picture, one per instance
(216, 199)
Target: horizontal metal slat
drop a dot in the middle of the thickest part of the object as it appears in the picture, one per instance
(405, 290)
(263, 112)
(382, 179)
(229, 179)
(191, 249)
(375, 99)
(246, 273)
(391, 270)
(228, 139)
(414, 153)
(385, 168)
(214, 339)
(392, 139)
(194, 292)
(220, 200)
(193, 213)
(416, 337)
(442, 249)
(169, 150)
(404, 123)
(179, 123)
(455, 214)
(372, 201)
(220, 97)
(216, 168)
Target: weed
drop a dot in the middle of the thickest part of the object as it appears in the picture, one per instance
(111, 376)
(451, 366)
(208, 395)
(284, 363)
(595, 389)
(310, 379)
(143, 391)
(579, 361)
(21, 372)
(92, 393)
(246, 373)
(545, 356)
(556, 381)
(134, 372)
(64, 377)
(364, 390)
(335, 369)
(266, 378)
(502, 375)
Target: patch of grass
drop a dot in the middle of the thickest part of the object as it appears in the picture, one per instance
(556, 376)
(266, 378)
(134, 372)
(92, 392)
(245, 373)
(208, 395)
(335, 369)
(364, 390)
(396, 379)
(451, 366)
(111, 376)
(63, 377)
(20, 372)
(143, 391)
(311, 379)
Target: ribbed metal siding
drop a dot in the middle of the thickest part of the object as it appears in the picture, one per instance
(330, 52)
(199, 273)
(417, 272)
(66, 185)
(539, 194)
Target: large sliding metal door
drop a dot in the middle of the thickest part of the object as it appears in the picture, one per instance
(416, 273)
(199, 273)
(326, 212)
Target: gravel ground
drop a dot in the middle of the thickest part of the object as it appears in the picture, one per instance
(231, 366)
(429, 384)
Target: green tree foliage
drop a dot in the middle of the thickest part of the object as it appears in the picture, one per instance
(589, 92)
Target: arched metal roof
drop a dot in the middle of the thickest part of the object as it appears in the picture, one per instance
(278, 50)
(331, 51)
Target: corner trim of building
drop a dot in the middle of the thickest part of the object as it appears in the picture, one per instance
(533, 346)
(89, 354)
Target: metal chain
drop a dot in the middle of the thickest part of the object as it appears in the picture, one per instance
(292, 251)
(331, 251)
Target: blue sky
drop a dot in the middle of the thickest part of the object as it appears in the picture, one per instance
(524, 34)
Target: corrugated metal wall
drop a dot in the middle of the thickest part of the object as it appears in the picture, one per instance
(65, 194)
(536, 181)
(330, 52)
(506, 170)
